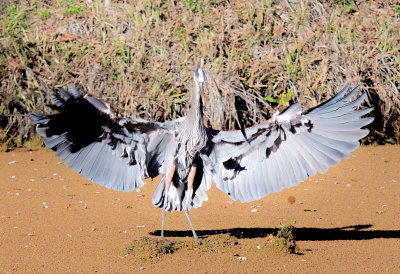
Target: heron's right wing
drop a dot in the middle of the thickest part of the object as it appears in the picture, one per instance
(269, 157)
(114, 152)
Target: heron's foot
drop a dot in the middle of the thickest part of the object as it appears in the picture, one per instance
(196, 239)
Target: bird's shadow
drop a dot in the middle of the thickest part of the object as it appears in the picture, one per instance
(354, 232)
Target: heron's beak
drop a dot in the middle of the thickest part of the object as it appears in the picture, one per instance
(201, 86)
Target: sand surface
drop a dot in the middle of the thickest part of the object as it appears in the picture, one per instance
(54, 220)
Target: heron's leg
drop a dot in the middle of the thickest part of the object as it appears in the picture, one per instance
(169, 177)
(163, 213)
(189, 191)
(191, 226)
(191, 176)
(168, 180)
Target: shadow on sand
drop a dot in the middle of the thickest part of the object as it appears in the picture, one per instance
(355, 232)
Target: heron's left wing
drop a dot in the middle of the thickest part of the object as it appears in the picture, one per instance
(269, 157)
(114, 152)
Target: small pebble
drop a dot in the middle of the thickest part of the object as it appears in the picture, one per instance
(139, 226)
(242, 258)
(12, 162)
(254, 210)
(291, 199)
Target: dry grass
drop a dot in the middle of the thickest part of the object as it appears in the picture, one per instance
(259, 56)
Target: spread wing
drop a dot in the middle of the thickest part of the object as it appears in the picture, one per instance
(116, 153)
(267, 158)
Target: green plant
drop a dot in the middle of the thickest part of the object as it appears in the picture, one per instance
(45, 14)
(73, 9)
(285, 98)
(15, 20)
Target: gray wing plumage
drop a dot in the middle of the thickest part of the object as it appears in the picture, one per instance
(267, 158)
(116, 153)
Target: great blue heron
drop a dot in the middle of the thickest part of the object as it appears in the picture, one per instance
(119, 153)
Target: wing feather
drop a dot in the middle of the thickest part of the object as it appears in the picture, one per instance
(116, 153)
(284, 152)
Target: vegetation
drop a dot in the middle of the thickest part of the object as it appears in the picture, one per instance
(282, 242)
(259, 55)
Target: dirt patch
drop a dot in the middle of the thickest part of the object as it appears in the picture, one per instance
(54, 220)
(283, 241)
(147, 249)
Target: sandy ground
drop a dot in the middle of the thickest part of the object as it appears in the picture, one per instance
(54, 220)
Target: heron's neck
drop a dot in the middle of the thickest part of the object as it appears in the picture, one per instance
(198, 104)
(192, 135)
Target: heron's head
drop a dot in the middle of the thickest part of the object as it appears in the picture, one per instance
(199, 78)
